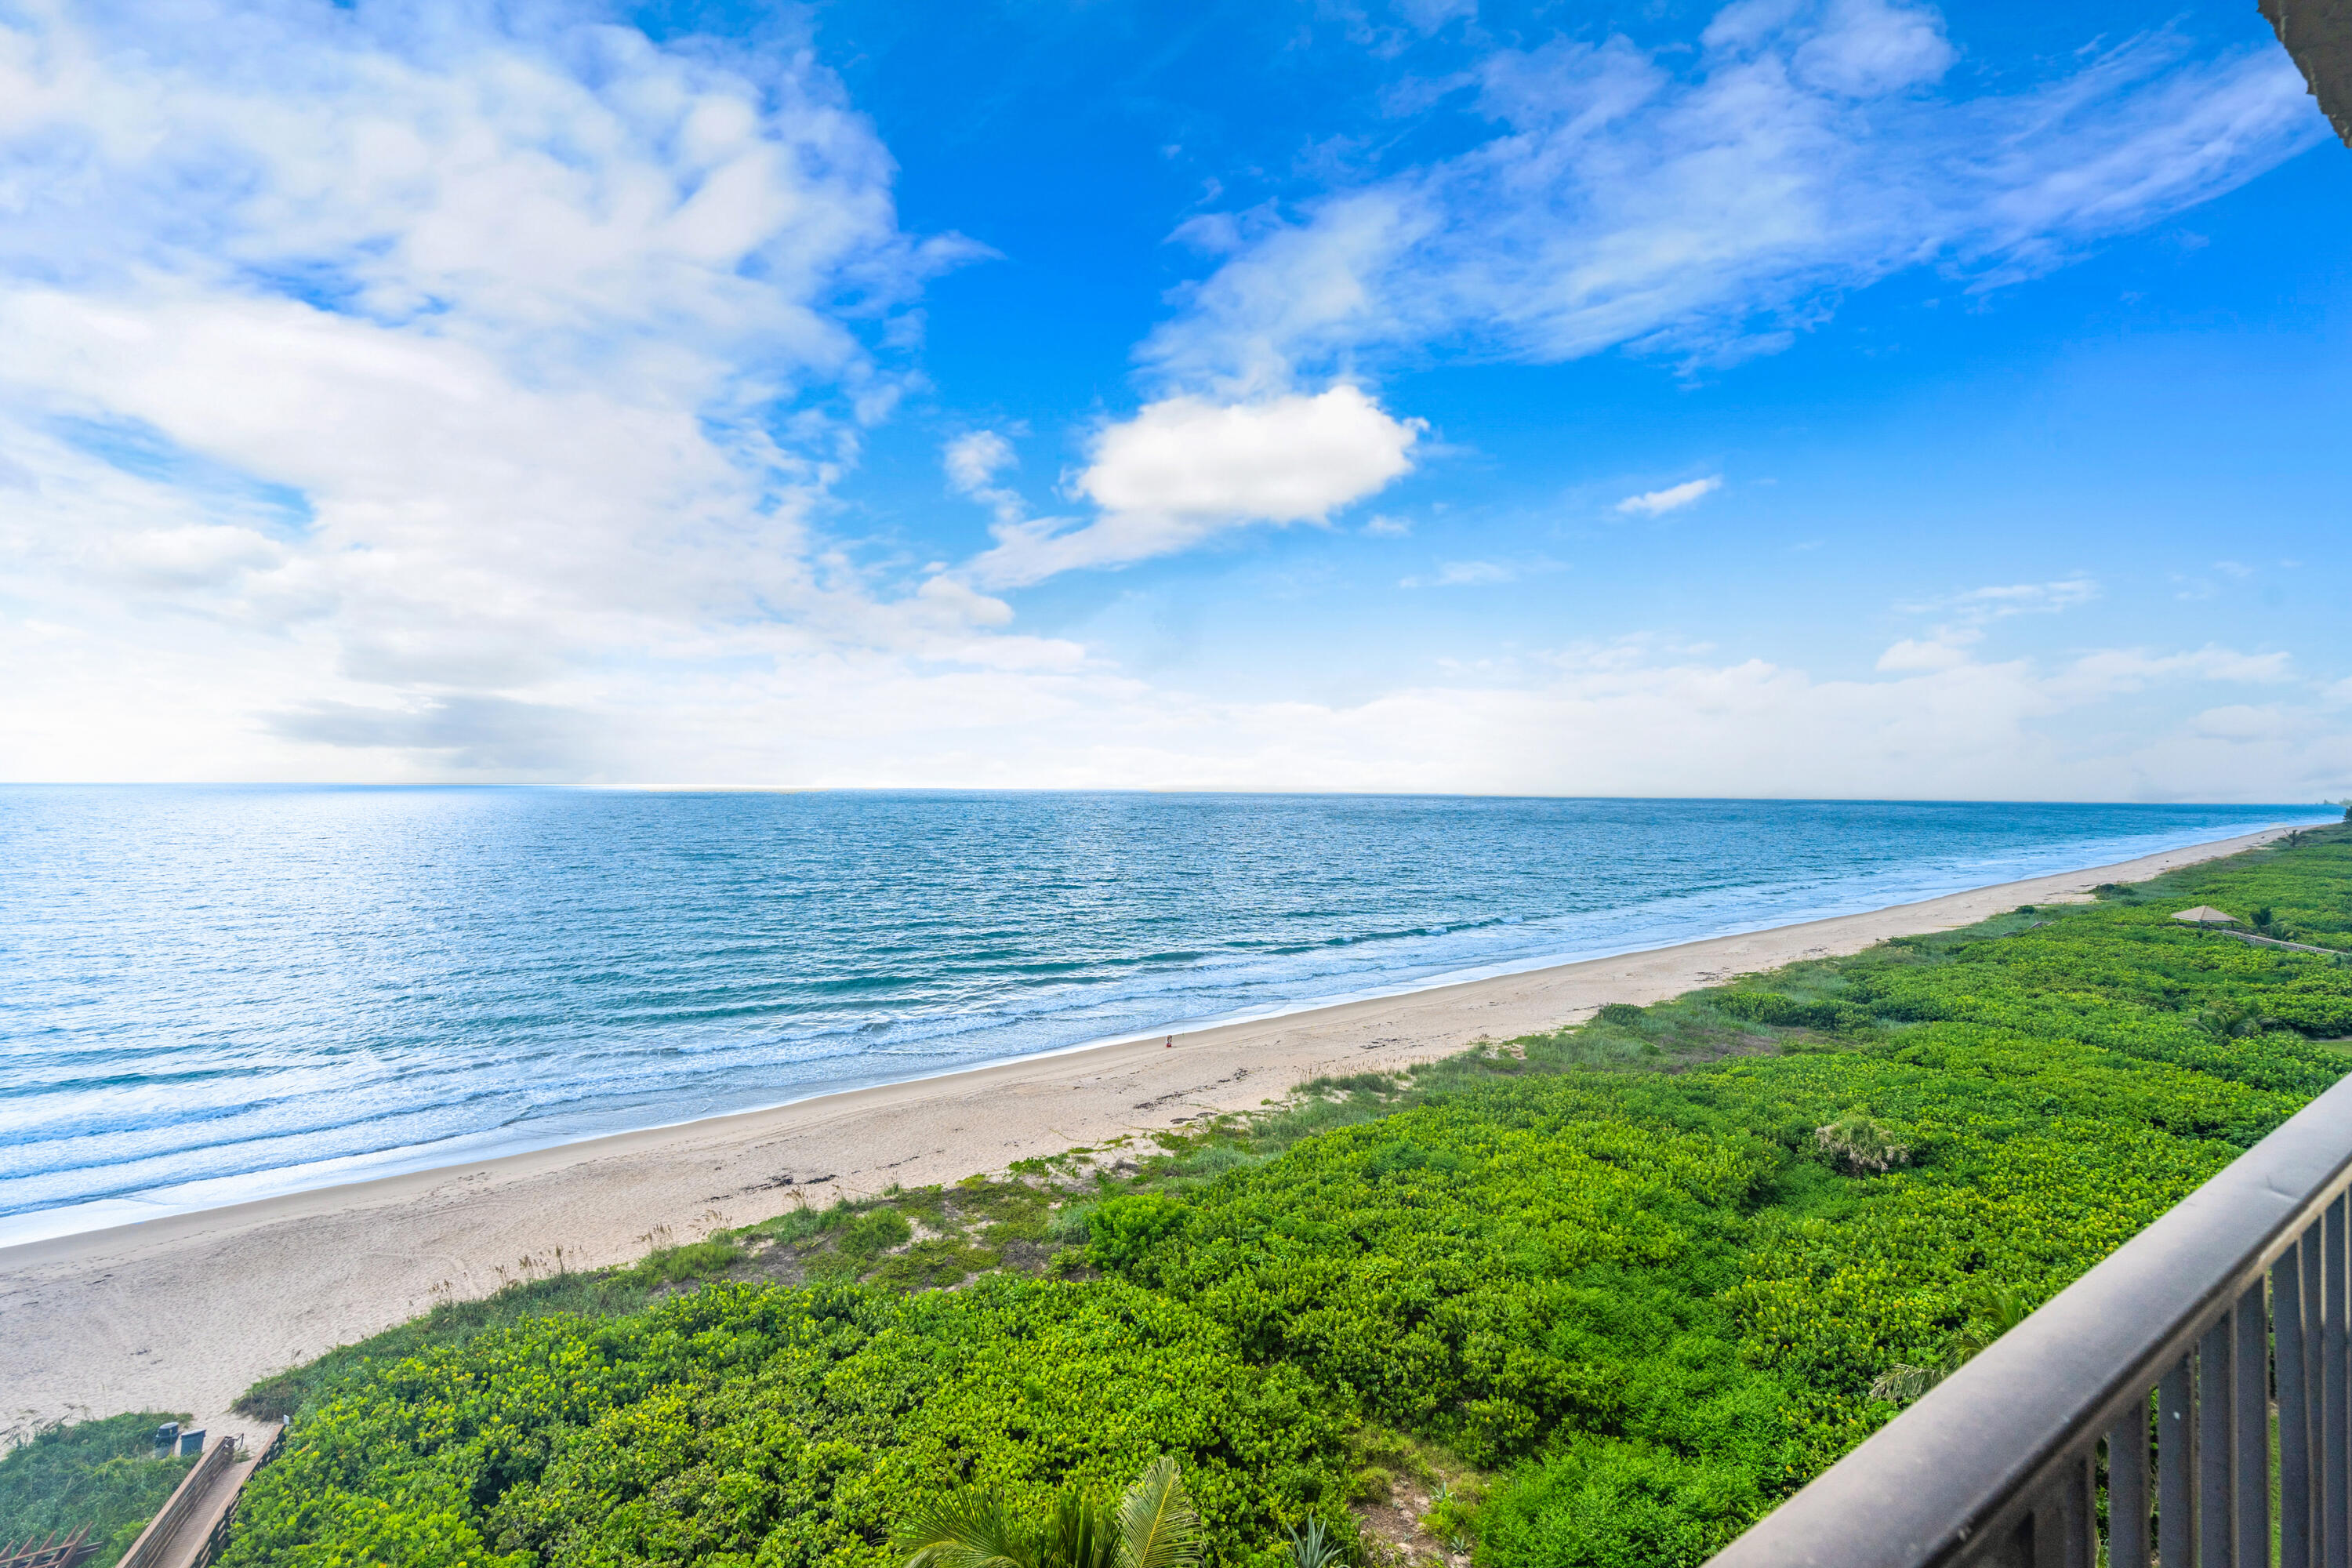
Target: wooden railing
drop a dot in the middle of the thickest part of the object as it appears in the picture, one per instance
(60, 1551)
(148, 1551)
(217, 1540)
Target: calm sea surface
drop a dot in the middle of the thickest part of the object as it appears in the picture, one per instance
(213, 994)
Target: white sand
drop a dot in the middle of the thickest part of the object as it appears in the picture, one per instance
(183, 1313)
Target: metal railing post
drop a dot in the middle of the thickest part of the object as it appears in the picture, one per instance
(2332, 1532)
(2289, 1286)
(2175, 1443)
(2251, 1364)
(2127, 1488)
(2214, 1470)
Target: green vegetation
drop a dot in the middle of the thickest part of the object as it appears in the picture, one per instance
(1152, 1525)
(103, 1474)
(1596, 1297)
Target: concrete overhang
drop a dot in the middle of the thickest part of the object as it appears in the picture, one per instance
(2318, 34)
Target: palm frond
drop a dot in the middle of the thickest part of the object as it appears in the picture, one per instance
(1904, 1383)
(1901, 1384)
(966, 1530)
(1083, 1533)
(1157, 1525)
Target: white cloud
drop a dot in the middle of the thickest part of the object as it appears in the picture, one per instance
(398, 396)
(1634, 718)
(1653, 503)
(1464, 575)
(2241, 722)
(1977, 608)
(1382, 526)
(1186, 469)
(2109, 671)
(1708, 207)
(1912, 655)
(2025, 598)
(973, 461)
(356, 363)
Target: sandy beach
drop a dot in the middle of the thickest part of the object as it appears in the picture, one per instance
(184, 1313)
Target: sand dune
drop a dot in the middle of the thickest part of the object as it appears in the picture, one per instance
(184, 1313)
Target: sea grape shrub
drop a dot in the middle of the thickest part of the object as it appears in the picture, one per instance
(2302, 888)
(1123, 1233)
(2033, 1158)
(746, 1425)
(1646, 1303)
(1514, 1264)
(2133, 981)
(2326, 1012)
(1591, 1502)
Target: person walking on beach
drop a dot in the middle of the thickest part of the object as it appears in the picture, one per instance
(1171, 1042)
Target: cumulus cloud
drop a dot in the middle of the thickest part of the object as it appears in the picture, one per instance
(358, 362)
(1653, 503)
(1707, 205)
(393, 396)
(1186, 469)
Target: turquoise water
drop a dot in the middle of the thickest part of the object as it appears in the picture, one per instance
(208, 995)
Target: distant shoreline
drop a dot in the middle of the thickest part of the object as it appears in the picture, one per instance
(185, 1310)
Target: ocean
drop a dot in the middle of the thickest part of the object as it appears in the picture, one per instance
(214, 994)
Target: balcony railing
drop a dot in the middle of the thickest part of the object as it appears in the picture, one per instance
(2133, 1420)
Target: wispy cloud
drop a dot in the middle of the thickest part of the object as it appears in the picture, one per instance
(1976, 605)
(1464, 574)
(2025, 598)
(1654, 503)
(1709, 205)
(973, 461)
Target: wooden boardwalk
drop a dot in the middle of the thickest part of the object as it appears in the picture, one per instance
(190, 1528)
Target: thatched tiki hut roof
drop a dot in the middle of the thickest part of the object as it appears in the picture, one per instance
(2205, 915)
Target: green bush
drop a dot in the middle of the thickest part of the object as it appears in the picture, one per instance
(743, 1423)
(103, 1474)
(1647, 1304)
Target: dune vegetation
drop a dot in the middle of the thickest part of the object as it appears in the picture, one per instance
(105, 1475)
(1602, 1295)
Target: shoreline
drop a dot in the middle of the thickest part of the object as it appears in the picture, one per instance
(156, 1314)
(471, 1149)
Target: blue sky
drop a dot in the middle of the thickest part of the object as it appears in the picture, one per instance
(1839, 398)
